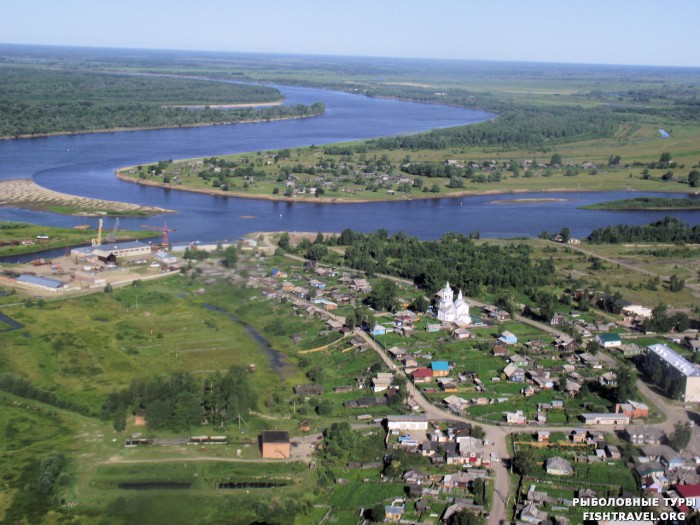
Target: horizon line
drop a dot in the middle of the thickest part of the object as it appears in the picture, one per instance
(334, 55)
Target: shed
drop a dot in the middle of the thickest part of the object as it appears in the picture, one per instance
(558, 466)
(41, 282)
(508, 338)
(275, 444)
(378, 330)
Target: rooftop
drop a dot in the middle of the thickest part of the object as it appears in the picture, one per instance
(40, 281)
(440, 365)
(275, 436)
(418, 419)
(675, 360)
(609, 338)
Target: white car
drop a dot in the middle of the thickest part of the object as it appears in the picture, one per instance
(486, 442)
(494, 457)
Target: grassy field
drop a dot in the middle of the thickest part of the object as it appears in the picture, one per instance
(158, 328)
(630, 270)
(29, 431)
(131, 333)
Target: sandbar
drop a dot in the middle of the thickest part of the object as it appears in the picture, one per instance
(25, 193)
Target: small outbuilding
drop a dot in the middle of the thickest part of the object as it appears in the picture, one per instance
(275, 444)
(378, 330)
(508, 338)
(558, 466)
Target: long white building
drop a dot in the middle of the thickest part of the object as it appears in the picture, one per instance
(407, 423)
(119, 250)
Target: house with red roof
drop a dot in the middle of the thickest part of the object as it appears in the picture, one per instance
(686, 492)
(422, 375)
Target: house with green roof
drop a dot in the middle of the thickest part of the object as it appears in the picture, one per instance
(609, 340)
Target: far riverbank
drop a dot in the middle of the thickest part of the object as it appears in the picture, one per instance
(345, 200)
(151, 128)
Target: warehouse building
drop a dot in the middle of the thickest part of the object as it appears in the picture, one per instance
(106, 251)
(44, 283)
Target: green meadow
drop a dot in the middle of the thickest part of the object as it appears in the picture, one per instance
(72, 353)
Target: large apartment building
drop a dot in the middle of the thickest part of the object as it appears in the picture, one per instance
(678, 368)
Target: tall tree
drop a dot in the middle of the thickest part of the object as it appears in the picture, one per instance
(284, 241)
(383, 295)
(626, 387)
(465, 517)
(230, 257)
(524, 462)
(680, 437)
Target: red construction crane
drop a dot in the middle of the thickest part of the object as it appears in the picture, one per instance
(165, 242)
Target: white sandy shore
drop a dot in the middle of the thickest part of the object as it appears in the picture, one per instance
(25, 193)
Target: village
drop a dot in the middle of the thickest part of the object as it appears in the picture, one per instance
(339, 172)
(464, 393)
(462, 365)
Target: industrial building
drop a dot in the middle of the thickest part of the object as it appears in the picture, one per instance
(117, 250)
(605, 419)
(44, 283)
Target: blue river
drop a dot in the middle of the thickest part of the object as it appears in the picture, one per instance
(85, 164)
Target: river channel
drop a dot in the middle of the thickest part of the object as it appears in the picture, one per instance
(85, 164)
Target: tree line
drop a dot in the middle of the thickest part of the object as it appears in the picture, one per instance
(531, 127)
(36, 101)
(454, 258)
(181, 401)
(668, 229)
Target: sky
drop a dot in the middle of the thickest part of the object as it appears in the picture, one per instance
(639, 32)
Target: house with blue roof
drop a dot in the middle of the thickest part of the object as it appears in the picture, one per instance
(508, 338)
(378, 330)
(440, 368)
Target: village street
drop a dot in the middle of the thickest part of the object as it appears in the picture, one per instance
(496, 434)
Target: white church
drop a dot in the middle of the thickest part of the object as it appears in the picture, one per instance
(451, 311)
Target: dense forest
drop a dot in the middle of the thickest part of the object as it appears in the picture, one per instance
(665, 230)
(454, 258)
(37, 102)
(536, 128)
